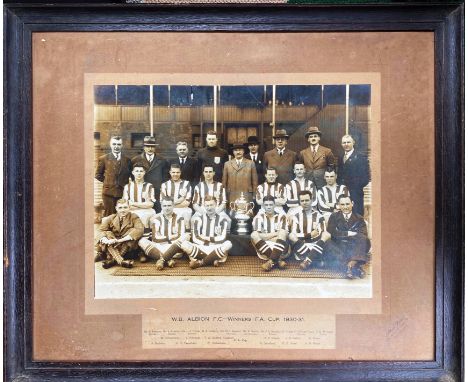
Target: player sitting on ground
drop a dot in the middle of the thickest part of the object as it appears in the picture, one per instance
(118, 236)
(308, 233)
(270, 234)
(209, 231)
(168, 233)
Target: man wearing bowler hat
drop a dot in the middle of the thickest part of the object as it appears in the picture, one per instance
(158, 168)
(316, 158)
(239, 175)
(281, 158)
(255, 156)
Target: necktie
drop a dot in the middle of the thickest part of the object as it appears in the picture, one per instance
(238, 163)
(150, 158)
(281, 153)
(346, 157)
(182, 160)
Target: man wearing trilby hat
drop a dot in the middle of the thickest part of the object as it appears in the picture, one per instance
(281, 158)
(316, 158)
(157, 168)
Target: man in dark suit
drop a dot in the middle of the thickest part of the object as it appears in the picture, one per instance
(158, 168)
(256, 156)
(353, 172)
(187, 165)
(118, 236)
(281, 158)
(316, 158)
(212, 155)
(349, 244)
(114, 170)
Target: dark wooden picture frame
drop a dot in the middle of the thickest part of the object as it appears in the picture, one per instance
(22, 20)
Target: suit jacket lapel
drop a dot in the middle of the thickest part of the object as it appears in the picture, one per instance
(116, 222)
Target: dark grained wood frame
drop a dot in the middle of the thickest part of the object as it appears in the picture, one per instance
(21, 20)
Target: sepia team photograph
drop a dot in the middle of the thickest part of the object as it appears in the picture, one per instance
(233, 190)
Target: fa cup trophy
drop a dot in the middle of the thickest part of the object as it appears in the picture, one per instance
(242, 213)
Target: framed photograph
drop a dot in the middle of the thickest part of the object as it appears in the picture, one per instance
(247, 192)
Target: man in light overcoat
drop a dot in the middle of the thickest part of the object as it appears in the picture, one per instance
(239, 175)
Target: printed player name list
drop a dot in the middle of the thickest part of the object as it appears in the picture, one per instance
(300, 331)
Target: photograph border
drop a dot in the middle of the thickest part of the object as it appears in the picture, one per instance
(445, 21)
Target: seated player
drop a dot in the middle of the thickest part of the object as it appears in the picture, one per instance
(298, 184)
(328, 195)
(168, 233)
(140, 195)
(209, 245)
(273, 188)
(209, 187)
(118, 236)
(307, 233)
(180, 191)
(349, 243)
(270, 234)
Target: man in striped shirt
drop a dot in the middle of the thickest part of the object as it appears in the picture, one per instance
(140, 194)
(209, 187)
(328, 195)
(168, 234)
(298, 184)
(272, 188)
(269, 235)
(180, 191)
(308, 233)
(209, 245)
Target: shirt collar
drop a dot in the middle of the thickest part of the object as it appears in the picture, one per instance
(349, 153)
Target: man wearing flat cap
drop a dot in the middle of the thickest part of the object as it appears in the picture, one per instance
(239, 175)
(255, 156)
(157, 168)
(281, 158)
(316, 158)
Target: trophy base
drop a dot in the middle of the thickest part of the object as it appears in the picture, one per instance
(242, 228)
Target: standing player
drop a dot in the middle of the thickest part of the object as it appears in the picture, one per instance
(328, 195)
(298, 184)
(270, 234)
(168, 234)
(209, 187)
(209, 245)
(180, 191)
(308, 233)
(140, 195)
(272, 188)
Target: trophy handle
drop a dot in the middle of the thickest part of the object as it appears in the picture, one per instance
(230, 205)
(251, 208)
